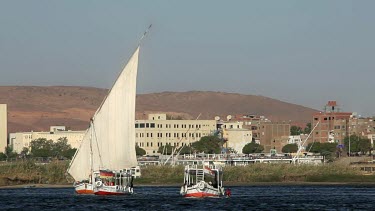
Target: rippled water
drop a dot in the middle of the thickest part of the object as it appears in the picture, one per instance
(332, 197)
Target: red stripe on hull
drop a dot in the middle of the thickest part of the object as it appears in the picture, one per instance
(84, 191)
(109, 193)
(200, 195)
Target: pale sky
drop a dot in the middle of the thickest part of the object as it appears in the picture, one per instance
(302, 52)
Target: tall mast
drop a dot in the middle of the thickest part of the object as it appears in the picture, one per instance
(91, 153)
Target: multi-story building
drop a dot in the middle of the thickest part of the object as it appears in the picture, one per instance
(22, 139)
(361, 126)
(237, 138)
(3, 127)
(331, 124)
(157, 131)
(272, 135)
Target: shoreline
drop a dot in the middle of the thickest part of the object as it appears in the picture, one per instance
(226, 184)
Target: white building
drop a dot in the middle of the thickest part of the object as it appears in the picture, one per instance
(158, 131)
(22, 139)
(3, 127)
(371, 137)
(237, 138)
(295, 140)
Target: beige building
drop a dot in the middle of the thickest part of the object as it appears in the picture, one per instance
(3, 127)
(237, 138)
(157, 131)
(23, 139)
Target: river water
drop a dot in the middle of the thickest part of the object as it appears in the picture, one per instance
(275, 197)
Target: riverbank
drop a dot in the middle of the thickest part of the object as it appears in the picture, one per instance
(53, 174)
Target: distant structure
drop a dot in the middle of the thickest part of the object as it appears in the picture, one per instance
(271, 135)
(158, 131)
(22, 139)
(237, 138)
(333, 124)
(3, 127)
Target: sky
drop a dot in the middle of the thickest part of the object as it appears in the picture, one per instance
(301, 52)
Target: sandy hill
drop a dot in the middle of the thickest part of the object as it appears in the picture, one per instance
(36, 108)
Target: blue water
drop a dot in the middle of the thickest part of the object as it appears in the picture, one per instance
(327, 197)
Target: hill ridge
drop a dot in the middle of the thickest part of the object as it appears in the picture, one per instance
(38, 107)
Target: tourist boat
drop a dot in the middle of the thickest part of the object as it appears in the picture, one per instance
(202, 181)
(104, 161)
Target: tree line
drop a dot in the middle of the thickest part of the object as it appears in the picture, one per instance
(42, 148)
(214, 145)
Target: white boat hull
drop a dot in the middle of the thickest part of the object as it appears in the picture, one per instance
(201, 190)
(113, 190)
(84, 188)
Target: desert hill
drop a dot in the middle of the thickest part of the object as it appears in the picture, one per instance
(36, 108)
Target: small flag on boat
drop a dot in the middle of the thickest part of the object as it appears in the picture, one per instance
(106, 174)
(209, 171)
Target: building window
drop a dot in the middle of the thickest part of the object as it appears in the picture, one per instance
(142, 125)
(147, 125)
(136, 125)
(152, 125)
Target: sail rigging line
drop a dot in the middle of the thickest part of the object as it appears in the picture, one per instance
(174, 151)
(300, 148)
(97, 145)
(144, 34)
(137, 48)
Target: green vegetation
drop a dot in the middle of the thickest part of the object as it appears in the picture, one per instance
(290, 148)
(252, 147)
(8, 153)
(26, 172)
(47, 148)
(208, 145)
(357, 144)
(185, 150)
(295, 130)
(307, 129)
(294, 173)
(41, 148)
(262, 172)
(30, 171)
(139, 151)
(328, 150)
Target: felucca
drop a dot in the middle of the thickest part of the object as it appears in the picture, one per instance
(103, 163)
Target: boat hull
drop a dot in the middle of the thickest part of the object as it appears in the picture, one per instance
(113, 190)
(201, 191)
(84, 188)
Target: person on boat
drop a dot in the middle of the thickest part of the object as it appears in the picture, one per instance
(228, 192)
(131, 182)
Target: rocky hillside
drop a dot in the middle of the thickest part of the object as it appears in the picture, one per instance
(36, 108)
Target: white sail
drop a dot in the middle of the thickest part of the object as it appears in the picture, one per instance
(112, 132)
(80, 167)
